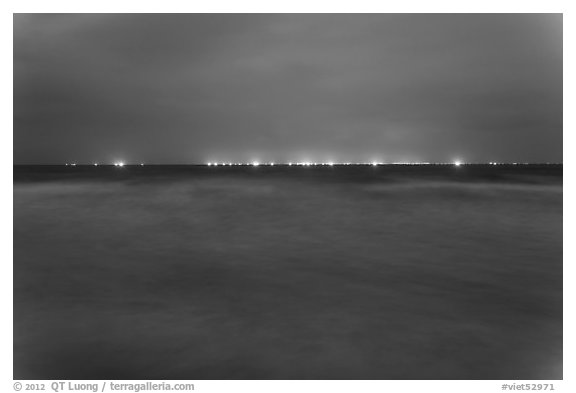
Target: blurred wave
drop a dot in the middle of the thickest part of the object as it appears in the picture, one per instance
(177, 274)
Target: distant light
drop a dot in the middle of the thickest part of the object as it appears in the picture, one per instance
(141, 164)
(118, 164)
(374, 163)
(95, 164)
(255, 163)
(74, 164)
(457, 163)
(271, 164)
(289, 164)
(331, 163)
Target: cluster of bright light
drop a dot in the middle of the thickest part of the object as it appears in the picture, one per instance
(330, 163)
(226, 163)
(417, 163)
(308, 163)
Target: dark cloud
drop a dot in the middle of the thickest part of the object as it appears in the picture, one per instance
(190, 88)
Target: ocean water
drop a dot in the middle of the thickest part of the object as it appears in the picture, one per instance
(288, 272)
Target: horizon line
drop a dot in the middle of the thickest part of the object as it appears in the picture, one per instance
(271, 164)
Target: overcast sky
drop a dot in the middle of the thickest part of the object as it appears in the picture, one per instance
(196, 88)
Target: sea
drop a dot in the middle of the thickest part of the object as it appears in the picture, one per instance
(274, 272)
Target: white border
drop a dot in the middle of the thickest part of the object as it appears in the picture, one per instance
(261, 6)
(295, 6)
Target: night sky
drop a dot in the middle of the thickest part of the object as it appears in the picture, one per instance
(319, 87)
